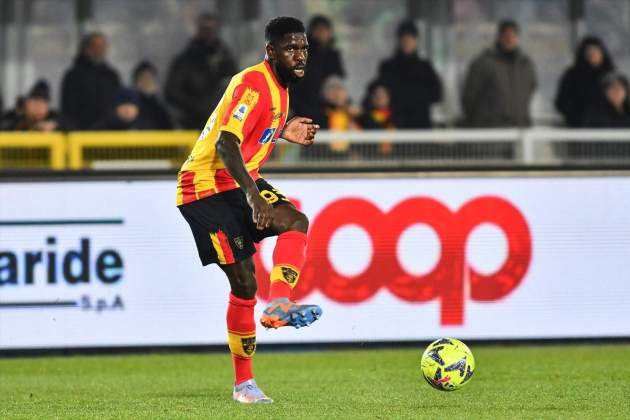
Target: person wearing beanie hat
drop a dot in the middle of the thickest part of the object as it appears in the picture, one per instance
(40, 90)
(36, 114)
(614, 112)
(500, 83)
(145, 85)
(412, 82)
(125, 114)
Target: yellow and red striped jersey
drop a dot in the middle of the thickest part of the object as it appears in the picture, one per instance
(254, 108)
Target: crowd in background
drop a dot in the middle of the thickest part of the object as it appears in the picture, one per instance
(496, 92)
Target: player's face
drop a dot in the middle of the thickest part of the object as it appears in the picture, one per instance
(290, 55)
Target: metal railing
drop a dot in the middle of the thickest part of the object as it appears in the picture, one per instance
(350, 149)
(466, 147)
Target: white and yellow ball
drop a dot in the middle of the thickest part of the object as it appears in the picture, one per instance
(447, 364)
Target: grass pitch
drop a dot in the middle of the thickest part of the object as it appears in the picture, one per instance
(510, 382)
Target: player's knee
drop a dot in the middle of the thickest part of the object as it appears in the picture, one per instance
(244, 284)
(299, 222)
(249, 285)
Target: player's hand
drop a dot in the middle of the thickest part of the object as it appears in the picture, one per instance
(300, 130)
(262, 211)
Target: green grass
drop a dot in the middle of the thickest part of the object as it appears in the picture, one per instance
(510, 382)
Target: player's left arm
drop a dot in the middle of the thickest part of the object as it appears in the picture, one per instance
(300, 130)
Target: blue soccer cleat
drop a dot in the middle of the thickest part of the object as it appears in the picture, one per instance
(248, 393)
(284, 313)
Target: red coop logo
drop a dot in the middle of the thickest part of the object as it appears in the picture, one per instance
(446, 282)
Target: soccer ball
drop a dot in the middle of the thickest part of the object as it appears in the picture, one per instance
(447, 364)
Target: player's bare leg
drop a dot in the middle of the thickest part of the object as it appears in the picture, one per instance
(288, 260)
(242, 330)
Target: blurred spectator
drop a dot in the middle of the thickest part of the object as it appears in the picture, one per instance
(198, 76)
(152, 111)
(377, 113)
(88, 87)
(614, 112)
(500, 83)
(36, 114)
(337, 112)
(11, 116)
(580, 85)
(125, 114)
(324, 60)
(412, 81)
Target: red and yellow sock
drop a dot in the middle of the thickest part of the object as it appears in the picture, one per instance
(288, 260)
(241, 336)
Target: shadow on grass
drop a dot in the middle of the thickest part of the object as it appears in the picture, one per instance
(206, 394)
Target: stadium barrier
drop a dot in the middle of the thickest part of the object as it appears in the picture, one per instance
(32, 151)
(391, 258)
(351, 149)
(129, 149)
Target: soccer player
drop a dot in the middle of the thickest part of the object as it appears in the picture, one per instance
(229, 206)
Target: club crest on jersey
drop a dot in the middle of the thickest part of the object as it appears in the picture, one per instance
(239, 242)
(267, 135)
(250, 97)
(240, 112)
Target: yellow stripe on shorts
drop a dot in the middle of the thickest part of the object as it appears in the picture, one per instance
(217, 247)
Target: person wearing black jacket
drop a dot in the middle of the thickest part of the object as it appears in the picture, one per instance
(35, 113)
(199, 75)
(580, 85)
(88, 88)
(412, 82)
(376, 113)
(152, 111)
(324, 61)
(124, 115)
(614, 112)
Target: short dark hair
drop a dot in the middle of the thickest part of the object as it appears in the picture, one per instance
(319, 20)
(87, 38)
(204, 17)
(278, 27)
(508, 24)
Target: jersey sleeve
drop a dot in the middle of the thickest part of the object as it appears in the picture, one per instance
(242, 112)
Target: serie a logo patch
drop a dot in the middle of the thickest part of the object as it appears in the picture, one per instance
(267, 135)
(240, 112)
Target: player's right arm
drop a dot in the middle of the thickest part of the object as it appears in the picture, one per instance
(228, 147)
(239, 119)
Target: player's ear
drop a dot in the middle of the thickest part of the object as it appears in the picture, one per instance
(271, 52)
